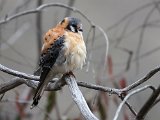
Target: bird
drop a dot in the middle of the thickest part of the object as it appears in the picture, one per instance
(63, 51)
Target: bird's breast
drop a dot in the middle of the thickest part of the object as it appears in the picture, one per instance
(75, 50)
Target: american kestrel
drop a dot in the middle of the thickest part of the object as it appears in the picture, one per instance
(62, 52)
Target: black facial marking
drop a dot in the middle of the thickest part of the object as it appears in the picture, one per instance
(73, 25)
(62, 21)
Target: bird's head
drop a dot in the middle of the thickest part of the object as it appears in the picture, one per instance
(72, 24)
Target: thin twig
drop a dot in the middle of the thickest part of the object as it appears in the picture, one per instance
(1, 97)
(130, 107)
(131, 14)
(107, 43)
(142, 80)
(141, 36)
(100, 88)
(156, 102)
(127, 97)
(90, 52)
(38, 9)
(148, 105)
(130, 53)
(125, 29)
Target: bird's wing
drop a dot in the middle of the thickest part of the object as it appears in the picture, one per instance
(50, 52)
(48, 59)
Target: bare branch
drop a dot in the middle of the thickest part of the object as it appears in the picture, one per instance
(107, 43)
(132, 13)
(119, 92)
(142, 80)
(38, 9)
(148, 105)
(58, 84)
(18, 74)
(87, 85)
(50, 86)
(127, 97)
(142, 36)
(156, 102)
(1, 97)
(76, 94)
(90, 52)
(15, 82)
(100, 88)
(4, 87)
(79, 99)
(130, 107)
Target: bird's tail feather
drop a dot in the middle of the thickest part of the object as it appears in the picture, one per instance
(38, 94)
(44, 79)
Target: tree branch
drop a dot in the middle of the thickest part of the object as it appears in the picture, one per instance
(118, 92)
(142, 80)
(127, 97)
(38, 9)
(4, 87)
(79, 99)
(15, 82)
(32, 81)
(156, 102)
(18, 74)
(148, 105)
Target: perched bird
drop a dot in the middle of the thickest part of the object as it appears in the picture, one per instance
(62, 52)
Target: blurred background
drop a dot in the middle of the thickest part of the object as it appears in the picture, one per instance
(133, 29)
